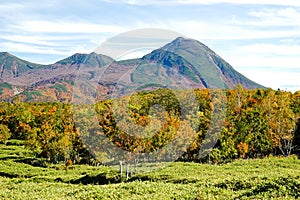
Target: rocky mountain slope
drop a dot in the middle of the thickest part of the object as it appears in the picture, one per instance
(182, 63)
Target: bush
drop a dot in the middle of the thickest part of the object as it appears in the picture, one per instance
(4, 133)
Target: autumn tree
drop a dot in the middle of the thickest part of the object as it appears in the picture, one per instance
(4, 133)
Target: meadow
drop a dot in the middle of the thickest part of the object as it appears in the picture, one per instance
(24, 177)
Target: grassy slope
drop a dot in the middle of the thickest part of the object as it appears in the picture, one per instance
(242, 179)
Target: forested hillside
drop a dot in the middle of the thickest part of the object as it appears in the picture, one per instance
(258, 123)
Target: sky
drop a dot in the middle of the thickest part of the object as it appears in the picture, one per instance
(259, 38)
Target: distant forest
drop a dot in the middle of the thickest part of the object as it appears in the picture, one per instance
(256, 123)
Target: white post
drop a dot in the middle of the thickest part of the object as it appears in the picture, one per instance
(121, 168)
(127, 170)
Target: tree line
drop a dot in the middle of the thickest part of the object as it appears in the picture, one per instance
(255, 123)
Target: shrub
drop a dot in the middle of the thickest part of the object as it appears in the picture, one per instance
(4, 133)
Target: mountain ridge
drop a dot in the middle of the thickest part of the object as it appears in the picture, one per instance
(182, 59)
(15, 66)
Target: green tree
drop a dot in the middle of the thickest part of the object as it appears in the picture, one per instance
(4, 133)
(282, 120)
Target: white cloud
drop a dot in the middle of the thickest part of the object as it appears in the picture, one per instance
(66, 27)
(275, 79)
(221, 31)
(31, 39)
(259, 2)
(263, 60)
(7, 6)
(282, 17)
(263, 55)
(271, 49)
(28, 48)
(59, 40)
(275, 12)
(197, 2)
(53, 51)
(17, 8)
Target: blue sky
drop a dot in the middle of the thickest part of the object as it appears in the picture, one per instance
(259, 38)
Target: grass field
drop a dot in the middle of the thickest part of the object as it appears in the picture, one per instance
(268, 178)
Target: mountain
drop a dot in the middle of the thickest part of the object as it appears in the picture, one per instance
(12, 66)
(50, 82)
(182, 63)
(91, 60)
(199, 63)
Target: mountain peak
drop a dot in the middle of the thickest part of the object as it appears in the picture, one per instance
(12, 66)
(7, 54)
(183, 39)
(4, 53)
(181, 43)
(179, 39)
(92, 59)
(200, 63)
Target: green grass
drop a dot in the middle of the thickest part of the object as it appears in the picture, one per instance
(269, 178)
